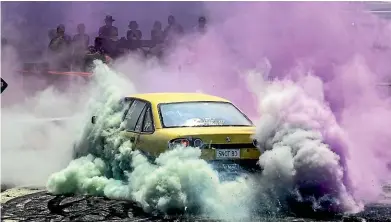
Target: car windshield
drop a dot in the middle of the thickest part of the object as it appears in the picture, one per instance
(201, 114)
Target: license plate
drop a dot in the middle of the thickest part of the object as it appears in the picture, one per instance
(227, 153)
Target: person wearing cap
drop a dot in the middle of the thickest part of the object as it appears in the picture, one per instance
(108, 31)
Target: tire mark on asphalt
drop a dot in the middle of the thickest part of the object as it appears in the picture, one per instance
(42, 206)
(38, 205)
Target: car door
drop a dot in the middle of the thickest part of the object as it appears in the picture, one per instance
(133, 120)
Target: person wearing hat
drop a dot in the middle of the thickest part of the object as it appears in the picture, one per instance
(109, 35)
(108, 31)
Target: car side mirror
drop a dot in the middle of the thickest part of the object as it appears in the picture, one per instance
(93, 119)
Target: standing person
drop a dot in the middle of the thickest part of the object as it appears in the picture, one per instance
(157, 38)
(202, 25)
(59, 46)
(81, 39)
(60, 41)
(134, 32)
(134, 35)
(172, 30)
(108, 31)
(109, 35)
(157, 34)
(80, 44)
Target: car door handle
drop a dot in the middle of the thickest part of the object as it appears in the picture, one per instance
(132, 139)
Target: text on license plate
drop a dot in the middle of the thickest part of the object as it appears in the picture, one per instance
(227, 153)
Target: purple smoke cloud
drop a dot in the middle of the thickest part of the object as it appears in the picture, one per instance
(338, 42)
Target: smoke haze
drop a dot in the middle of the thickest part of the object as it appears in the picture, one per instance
(322, 62)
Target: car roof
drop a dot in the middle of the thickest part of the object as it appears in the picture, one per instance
(157, 98)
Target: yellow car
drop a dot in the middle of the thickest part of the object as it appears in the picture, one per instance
(156, 122)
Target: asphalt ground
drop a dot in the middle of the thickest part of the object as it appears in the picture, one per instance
(29, 204)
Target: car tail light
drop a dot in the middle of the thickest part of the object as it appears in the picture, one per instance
(186, 142)
(182, 142)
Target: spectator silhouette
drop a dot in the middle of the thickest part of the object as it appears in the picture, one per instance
(134, 32)
(60, 41)
(108, 31)
(81, 40)
(109, 34)
(202, 25)
(172, 30)
(80, 44)
(157, 34)
(134, 35)
(59, 46)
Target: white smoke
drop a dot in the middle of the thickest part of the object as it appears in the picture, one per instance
(38, 131)
(37, 136)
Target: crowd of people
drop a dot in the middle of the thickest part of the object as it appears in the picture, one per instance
(109, 44)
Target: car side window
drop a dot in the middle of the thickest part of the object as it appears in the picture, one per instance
(140, 121)
(126, 103)
(148, 124)
(133, 114)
